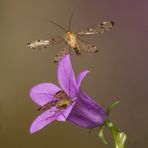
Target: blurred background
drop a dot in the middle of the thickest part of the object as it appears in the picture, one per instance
(118, 72)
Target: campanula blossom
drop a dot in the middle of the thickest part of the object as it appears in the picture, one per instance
(67, 102)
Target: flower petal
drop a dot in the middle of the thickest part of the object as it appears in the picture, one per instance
(43, 120)
(87, 112)
(81, 77)
(66, 76)
(79, 120)
(65, 113)
(43, 93)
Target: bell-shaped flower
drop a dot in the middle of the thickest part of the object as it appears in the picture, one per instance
(67, 102)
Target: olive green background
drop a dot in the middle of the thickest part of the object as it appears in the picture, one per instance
(118, 72)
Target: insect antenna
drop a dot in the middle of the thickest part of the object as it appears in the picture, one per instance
(70, 19)
(52, 22)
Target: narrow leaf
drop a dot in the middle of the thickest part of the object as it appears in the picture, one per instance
(110, 107)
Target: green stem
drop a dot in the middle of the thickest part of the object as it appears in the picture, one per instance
(118, 136)
(114, 133)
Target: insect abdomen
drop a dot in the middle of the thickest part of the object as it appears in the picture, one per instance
(76, 50)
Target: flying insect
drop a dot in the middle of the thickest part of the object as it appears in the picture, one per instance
(73, 39)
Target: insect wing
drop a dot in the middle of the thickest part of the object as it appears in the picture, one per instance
(44, 43)
(45, 107)
(48, 105)
(86, 47)
(60, 54)
(98, 29)
(60, 94)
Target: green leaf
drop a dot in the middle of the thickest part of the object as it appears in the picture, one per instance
(101, 135)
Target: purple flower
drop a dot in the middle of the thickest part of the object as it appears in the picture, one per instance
(66, 102)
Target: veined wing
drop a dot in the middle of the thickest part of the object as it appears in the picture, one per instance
(44, 43)
(61, 54)
(86, 47)
(98, 29)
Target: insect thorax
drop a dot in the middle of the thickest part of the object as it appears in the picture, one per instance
(64, 100)
(70, 38)
(62, 104)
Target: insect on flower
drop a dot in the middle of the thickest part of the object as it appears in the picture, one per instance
(73, 39)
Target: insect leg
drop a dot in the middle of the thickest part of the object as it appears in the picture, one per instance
(60, 55)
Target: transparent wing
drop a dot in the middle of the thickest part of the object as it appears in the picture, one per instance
(44, 43)
(61, 54)
(86, 47)
(98, 29)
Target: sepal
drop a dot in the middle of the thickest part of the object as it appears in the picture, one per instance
(101, 134)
